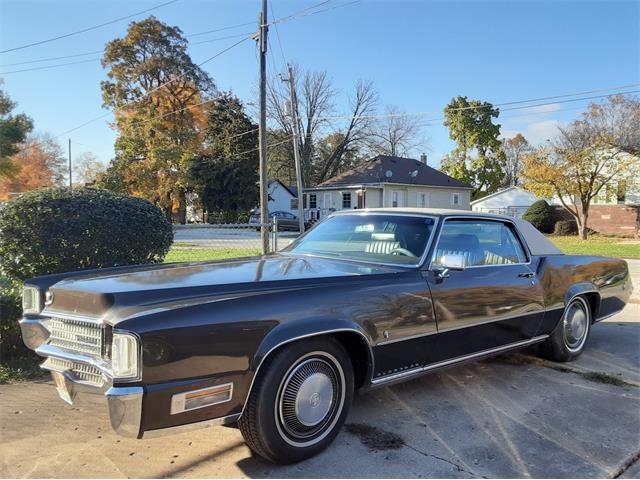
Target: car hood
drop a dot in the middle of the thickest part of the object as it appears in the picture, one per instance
(94, 294)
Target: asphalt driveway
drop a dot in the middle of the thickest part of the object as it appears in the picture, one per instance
(512, 416)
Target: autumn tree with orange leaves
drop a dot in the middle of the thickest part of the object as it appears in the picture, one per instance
(39, 163)
(158, 95)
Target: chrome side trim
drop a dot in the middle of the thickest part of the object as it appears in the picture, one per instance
(125, 409)
(160, 432)
(444, 363)
(435, 332)
(609, 315)
(315, 334)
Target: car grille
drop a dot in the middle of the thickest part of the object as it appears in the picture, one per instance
(77, 336)
(81, 372)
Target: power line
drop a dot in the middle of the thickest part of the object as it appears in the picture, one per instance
(540, 104)
(154, 89)
(220, 29)
(95, 52)
(516, 102)
(290, 17)
(98, 58)
(51, 66)
(77, 32)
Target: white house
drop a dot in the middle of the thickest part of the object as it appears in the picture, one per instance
(386, 181)
(282, 198)
(512, 201)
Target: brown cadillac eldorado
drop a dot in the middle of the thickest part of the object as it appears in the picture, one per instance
(278, 344)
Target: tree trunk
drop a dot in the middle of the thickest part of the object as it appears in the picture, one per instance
(182, 206)
(582, 225)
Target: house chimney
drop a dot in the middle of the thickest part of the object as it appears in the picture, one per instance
(423, 158)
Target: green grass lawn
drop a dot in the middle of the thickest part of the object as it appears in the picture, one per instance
(201, 254)
(598, 245)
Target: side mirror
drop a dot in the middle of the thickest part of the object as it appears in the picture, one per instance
(454, 261)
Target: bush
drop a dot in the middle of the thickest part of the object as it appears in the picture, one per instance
(58, 230)
(541, 215)
(565, 227)
(11, 345)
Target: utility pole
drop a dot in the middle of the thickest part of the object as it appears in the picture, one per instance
(296, 146)
(262, 130)
(70, 178)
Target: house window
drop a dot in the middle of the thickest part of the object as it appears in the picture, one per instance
(423, 199)
(395, 198)
(346, 200)
(313, 200)
(455, 199)
(294, 204)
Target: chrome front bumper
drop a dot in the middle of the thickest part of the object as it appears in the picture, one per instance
(124, 403)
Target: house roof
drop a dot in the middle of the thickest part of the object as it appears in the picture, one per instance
(291, 189)
(396, 170)
(501, 192)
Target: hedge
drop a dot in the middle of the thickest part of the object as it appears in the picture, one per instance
(541, 215)
(60, 230)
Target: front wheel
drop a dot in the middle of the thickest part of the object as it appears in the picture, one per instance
(299, 401)
(570, 336)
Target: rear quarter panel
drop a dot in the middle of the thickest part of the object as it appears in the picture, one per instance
(562, 277)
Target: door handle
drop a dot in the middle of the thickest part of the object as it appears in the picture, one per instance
(527, 275)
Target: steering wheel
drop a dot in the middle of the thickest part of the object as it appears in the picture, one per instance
(402, 251)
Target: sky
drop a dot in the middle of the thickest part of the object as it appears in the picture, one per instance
(419, 54)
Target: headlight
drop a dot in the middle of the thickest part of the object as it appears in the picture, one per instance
(31, 302)
(125, 354)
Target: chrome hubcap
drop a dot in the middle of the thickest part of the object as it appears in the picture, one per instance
(576, 322)
(314, 398)
(309, 400)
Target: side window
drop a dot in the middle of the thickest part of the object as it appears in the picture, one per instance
(480, 242)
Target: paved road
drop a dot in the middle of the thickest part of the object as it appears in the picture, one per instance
(513, 416)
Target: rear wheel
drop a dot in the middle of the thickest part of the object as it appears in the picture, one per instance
(299, 401)
(570, 336)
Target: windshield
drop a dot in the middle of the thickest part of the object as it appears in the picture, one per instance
(392, 239)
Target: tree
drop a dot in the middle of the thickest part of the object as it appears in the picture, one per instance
(395, 134)
(471, 126)
(515, 149)
(39, 163)
(598, 149)
(87, 169)
(225, 175)
(315, 111)
(13, 131)
(157, 93)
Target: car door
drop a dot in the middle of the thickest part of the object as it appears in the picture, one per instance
(494, 300)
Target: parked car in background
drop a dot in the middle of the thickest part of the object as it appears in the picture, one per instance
(280, 343)
(286, 220)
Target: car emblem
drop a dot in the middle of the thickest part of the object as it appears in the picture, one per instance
(48, 298)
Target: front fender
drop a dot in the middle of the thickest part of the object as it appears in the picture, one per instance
(289, 332)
